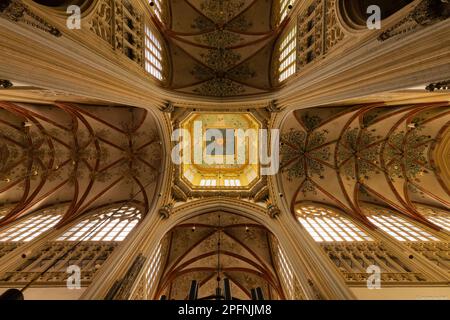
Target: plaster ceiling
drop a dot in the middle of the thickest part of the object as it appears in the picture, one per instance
(238, 158)
(345, 156)
(245, 257)
(220, 48)
(84, 155)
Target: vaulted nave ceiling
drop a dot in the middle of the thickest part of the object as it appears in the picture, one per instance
(215, 246)
(220, 47)
(91, 119)
(82, 155)
(348, 156)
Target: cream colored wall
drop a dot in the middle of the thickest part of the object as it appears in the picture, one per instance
(57, 293)
(402, 293)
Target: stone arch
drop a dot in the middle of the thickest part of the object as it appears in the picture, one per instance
(63, 4)
(354, 11)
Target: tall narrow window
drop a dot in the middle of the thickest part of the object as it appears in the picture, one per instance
(112, 224)
(232, 183)
(285, 6)
(439, 217)
(288, 55)
(153, 54)
(153, 269)
(208, 182)
(324, 225)
(286, 273)
(29, 228)
(156, 6)
(397, 227)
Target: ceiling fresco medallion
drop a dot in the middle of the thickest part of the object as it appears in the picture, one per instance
(215, 154)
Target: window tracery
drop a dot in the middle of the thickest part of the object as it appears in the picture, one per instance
(439, 217)
(291, 286)
(153, 54)
(33, 226)
(399, 228)
(286, 273)
(153, 269)
(288, 56)
(324, 225)
(112, 224)
(97, 237)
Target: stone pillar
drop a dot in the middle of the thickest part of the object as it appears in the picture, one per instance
(119, 266)
(317, 274)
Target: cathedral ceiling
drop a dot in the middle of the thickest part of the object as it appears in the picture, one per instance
(220, 48)
(243, 256)
(84, 155)
(373, 153)
(226, 165)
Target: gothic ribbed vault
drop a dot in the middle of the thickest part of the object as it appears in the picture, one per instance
(220, 48)
(219, 244)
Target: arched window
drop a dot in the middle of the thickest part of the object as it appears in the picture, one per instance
(397, 227)
(153, 269)
(287, 58)
(286, 273)
(30, 227)
(208, 182)
(285, 6)
(325, 225)
(110, 224)
(439, 217)
(153, 54)
(355, 11)
(232, 183)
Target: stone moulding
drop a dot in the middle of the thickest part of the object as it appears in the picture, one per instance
(17, 11)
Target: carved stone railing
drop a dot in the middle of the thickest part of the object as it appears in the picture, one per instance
(426, 13)
(18, 11)
(58, 256)
(121, 25)
(353, 259)
(318, 31)
(385, 277)
(436, 252)
(310, 34)
(7, 247)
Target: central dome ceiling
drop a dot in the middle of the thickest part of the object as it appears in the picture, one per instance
(220, 47)
(238, 160)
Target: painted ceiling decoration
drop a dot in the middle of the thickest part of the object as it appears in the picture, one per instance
(78, 154)
(219, 245)
(220, 48)
(303, 155)
(235, 171)
(369, 153)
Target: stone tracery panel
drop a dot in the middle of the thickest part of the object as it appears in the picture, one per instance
(353, 257)
(87, 248)
(120, 24)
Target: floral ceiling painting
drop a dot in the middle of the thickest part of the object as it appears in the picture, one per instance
(220, 48)
(76, 154)
(373, 153)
